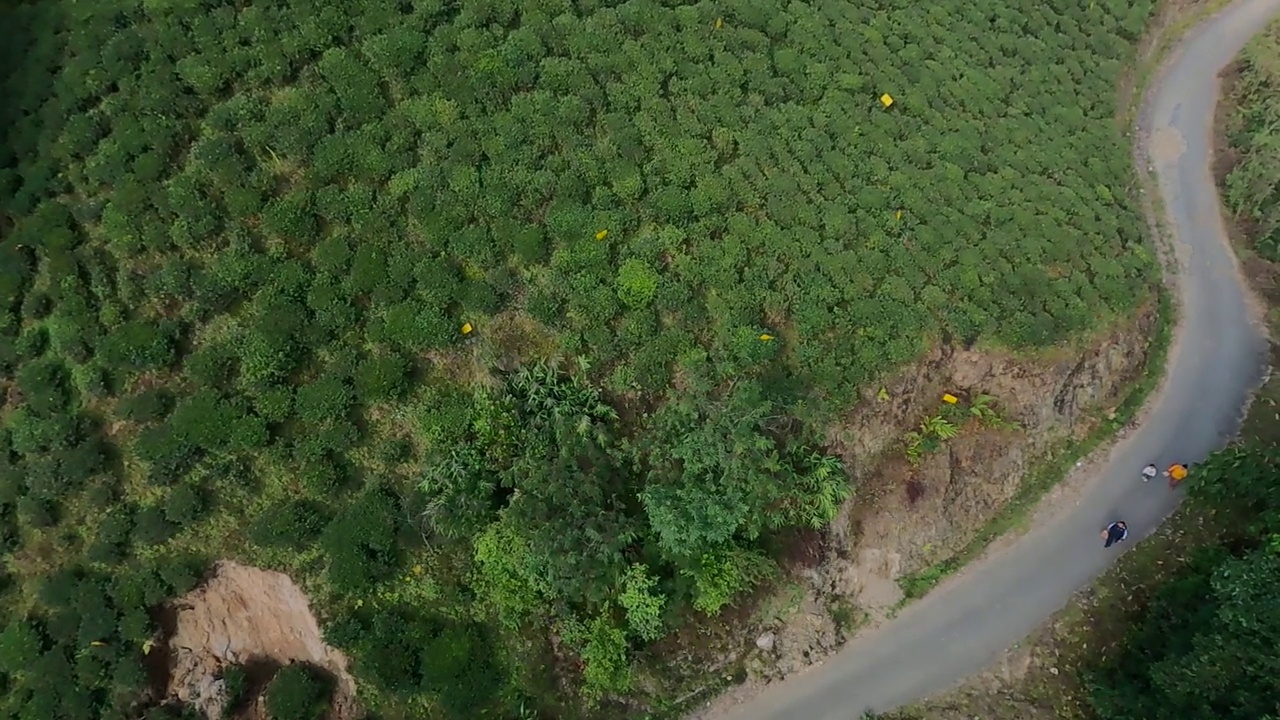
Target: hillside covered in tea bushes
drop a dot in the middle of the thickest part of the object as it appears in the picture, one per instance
(487, 320)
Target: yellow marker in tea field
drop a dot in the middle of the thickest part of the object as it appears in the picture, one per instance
(766, 337)
(719, 23)
(466, 328)
(886, 99)
(950, 399)
(601, 235)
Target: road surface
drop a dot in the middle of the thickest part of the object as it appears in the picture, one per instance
(1217, 359)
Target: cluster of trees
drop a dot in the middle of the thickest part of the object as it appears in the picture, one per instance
(572, 522)
(238, 246)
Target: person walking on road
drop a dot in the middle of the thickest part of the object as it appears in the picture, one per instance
(1149, 472)
(1176, 473)
(1115, 532)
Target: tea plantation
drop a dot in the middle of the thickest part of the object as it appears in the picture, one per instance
(492, 319)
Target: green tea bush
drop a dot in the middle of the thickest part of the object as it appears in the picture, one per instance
(292, 524)
(140, 346)
(362, 541)
(147, 406)
(298, 692)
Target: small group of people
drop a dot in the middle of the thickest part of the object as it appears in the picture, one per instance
(1118, 531)
(1176, 473)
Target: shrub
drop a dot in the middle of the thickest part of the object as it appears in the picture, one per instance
(140, 345)
(291, 217)
(211, 366)
(36, 306)
(236, 681)
(36, 512)
(20, 645)
(46, 386)
(60, 588)
(325, 400)
(185, 504)
(147, 406)
(414, 327)
(603, 648)
(298, 692)
(168, 453)
(362, 541)
(8, 354)
(637, 283)
(381, 376)
(111, 537)
(32, 342)
(82, 461)
(643, 605)
(291, 524)
(151, 527)
(180, 574)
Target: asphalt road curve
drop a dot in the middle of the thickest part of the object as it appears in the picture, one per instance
(1218, 357)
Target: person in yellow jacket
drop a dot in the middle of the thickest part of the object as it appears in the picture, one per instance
(1176, 473)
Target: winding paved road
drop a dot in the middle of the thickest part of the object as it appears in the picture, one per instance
(1217, 360)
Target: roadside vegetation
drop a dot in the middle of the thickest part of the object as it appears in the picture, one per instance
(510, 330)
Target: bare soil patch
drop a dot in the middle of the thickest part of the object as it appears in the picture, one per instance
(246, 616)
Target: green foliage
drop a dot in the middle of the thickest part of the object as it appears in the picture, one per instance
(236, 681)
(603, 648)
(723, 475)
(20, 645)
(147, 406)
(298, 692)
(140, 346)
(637, 283)
(405, 651)
(382, 377)
(935, 430)
(506, 577)
(642, 603)
(185, 504)
(361, 542)
(720, 576)
(289, 524)
(1250, 190)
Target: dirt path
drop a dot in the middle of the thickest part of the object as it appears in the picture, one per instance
(1217, 359)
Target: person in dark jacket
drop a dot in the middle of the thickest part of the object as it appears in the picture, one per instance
(1115, 532)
